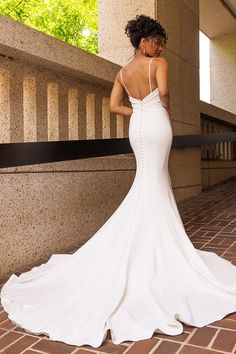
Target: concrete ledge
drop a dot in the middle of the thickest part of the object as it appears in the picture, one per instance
(18, 41)
(217, 112)
(214, 172)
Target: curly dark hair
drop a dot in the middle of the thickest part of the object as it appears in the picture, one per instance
(144, 26)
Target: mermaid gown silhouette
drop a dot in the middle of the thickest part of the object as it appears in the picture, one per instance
(139, 273)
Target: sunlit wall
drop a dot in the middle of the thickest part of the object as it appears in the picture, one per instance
(204, 43)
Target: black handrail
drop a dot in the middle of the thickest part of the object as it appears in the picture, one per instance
(20, 154)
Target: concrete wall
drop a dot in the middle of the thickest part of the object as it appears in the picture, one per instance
(55, 207)
(214, 172)
(222, 121)
(223, 72)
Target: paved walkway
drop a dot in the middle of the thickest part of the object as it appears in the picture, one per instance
(210, 221)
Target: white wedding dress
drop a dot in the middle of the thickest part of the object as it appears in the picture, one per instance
(139, 273)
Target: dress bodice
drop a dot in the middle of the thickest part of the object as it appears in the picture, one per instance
(150, 100)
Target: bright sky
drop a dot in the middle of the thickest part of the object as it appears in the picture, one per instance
(204, 44)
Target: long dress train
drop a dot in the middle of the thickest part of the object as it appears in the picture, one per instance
(139, 273)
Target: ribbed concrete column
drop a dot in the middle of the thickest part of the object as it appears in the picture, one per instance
(181, 21)
(223, 72)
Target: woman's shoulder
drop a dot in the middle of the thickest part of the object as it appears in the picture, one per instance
(127, 65)
(160, 61)
(156, 60)
(145, 60)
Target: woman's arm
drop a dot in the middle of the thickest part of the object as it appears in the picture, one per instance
(117, 95)
(162, 82)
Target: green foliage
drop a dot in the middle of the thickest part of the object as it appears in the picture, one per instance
(63, 19)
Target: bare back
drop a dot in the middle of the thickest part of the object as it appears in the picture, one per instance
(138, 77)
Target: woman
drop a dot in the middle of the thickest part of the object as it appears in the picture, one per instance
(139, 273)
(148, 38)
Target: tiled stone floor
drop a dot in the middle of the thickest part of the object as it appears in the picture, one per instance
(210, 222)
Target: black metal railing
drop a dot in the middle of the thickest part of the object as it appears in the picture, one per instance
(20, 154)
(220, 150)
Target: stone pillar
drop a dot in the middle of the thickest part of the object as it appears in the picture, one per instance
(113, 44)
(181, 21)
(223, 72)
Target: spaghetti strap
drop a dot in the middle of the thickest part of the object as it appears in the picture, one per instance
(121, 75)
(149, 75)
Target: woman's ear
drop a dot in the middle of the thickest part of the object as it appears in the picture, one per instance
(142, 41)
